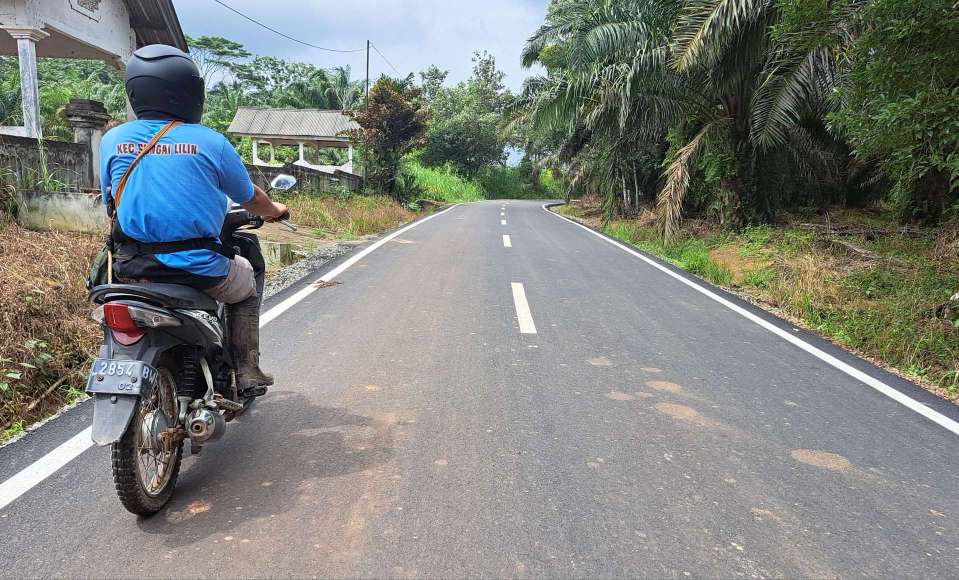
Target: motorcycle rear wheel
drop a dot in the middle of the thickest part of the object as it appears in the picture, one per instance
(146, 459)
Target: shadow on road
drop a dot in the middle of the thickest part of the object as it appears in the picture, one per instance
(270, 461)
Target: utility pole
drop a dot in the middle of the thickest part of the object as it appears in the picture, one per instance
(366, 146)
(367, 76)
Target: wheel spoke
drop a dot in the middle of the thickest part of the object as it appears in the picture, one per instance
(155, 477)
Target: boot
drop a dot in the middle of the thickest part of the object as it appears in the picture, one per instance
(244, 326)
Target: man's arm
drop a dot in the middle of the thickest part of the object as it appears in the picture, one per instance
(263, 206)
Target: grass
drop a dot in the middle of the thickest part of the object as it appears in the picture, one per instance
(346, 217)
(511, 183)
(885, 312)
(446, 185)
(46, 334)
(691, 255)
(442, 184)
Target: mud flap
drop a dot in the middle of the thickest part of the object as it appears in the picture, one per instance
(111, 415)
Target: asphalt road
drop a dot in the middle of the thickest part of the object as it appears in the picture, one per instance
(644, 430)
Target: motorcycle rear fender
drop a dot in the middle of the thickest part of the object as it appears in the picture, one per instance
(111, 416)
(112, 413)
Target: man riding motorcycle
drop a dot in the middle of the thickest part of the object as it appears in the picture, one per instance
(169, 217)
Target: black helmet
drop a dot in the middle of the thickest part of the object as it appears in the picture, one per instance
(163, 82)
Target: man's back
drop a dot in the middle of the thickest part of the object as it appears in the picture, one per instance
(176, 192)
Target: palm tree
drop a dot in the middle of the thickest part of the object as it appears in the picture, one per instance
(343, 92)
(705, 72)
(748, 90)
(608, 84)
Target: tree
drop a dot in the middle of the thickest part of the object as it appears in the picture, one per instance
(392, 125)
(466, 119)
(215, 54)
(704, 77)
(232, 82)
(432, 80)
(897, 90)
(344, 93)
(60, 80)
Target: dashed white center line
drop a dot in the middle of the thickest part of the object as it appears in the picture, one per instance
(502, 222)
(523, 314)
(507, 243)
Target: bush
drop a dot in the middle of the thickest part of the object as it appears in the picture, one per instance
(441, 183)
(520, 182)
(346, 217)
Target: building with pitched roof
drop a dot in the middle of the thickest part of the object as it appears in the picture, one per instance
(315, 128)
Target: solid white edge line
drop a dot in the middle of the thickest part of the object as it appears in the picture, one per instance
(27, 478)
(901, 398)
(507, 242)
(523, 315)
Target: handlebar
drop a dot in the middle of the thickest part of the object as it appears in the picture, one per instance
(285, 220)
(238, 218)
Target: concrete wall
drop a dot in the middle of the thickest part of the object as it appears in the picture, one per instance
(62, 212)
(307, 179)
(66, 162)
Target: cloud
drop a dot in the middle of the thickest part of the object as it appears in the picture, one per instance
(411, 34)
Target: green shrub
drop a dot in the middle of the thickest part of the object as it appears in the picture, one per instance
(441, 183)
(758, 277)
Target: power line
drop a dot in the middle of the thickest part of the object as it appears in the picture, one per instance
(386, 59)
(287, 36)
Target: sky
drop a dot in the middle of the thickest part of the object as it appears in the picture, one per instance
(412, 34)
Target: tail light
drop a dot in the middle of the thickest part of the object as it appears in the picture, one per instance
(126, 322)
(121, 324)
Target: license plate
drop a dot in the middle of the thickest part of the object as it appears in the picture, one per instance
(121, 377)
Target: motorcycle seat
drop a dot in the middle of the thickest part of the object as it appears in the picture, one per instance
(164, 295)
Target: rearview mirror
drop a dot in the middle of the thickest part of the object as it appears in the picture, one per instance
(283, 182)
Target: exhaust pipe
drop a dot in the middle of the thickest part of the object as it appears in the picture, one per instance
(206, 426)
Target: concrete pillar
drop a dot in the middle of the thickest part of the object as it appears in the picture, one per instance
(349, 159)
(88, 119)
(272, 154)
(256, 153)
(27, 39)
(302, 159)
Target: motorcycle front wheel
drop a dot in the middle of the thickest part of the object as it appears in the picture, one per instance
(146, 459)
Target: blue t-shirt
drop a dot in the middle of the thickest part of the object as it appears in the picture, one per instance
(178, 191)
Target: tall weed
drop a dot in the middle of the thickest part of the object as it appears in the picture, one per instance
(346, 217)
(46, 334)
(442, 184)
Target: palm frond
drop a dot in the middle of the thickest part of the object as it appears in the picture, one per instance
(705, 25)
(669, 204)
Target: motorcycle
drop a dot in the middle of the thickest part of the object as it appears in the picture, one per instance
(164, 374)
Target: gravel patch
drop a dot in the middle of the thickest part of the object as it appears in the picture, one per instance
(309, 263)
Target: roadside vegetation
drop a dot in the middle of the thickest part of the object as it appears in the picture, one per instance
(740, 110)
(46, 333)
(346, 217)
